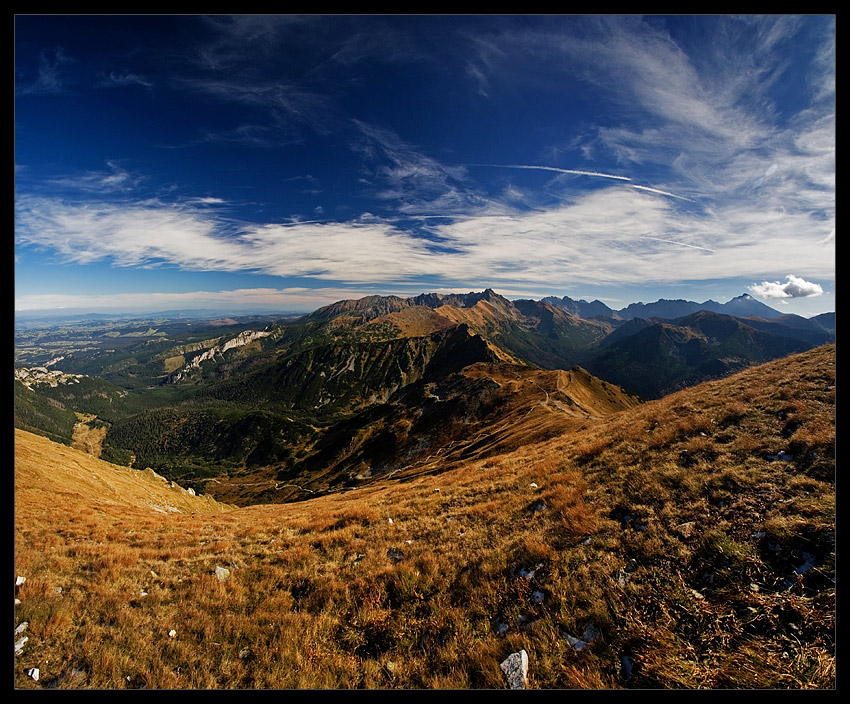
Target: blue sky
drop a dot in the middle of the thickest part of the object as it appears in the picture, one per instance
(285, 162)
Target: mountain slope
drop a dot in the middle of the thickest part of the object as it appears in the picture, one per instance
(668, 355)
(433, 426)
(45, 470)
(668, 546)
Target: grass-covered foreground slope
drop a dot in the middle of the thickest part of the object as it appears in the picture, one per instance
(688, 542)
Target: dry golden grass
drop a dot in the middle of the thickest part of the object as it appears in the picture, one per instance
(678, 553)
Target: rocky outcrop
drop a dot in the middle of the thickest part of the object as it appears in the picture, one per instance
(41, 376)
(216, 352)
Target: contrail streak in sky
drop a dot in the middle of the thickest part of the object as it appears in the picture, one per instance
(553, 168)
(663, 193)
(683, 244)
(585, 173)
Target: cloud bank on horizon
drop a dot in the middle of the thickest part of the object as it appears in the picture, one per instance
(536, 155)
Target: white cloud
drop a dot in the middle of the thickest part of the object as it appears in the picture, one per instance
(613, 235)
(795, 287)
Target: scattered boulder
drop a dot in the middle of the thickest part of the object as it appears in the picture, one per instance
(222, 573)
(20, 580)
(626, 662)
(172, 633)
(395, 554)
(21, 628)
(34, 673)
(515, 667)
(19, 645)
(537, 597)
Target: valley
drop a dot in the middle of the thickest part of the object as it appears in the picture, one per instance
(366, 389)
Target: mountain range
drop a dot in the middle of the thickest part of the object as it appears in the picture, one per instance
(364, 389)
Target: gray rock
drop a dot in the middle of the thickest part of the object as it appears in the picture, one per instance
(538, 597)
(34, 673)
(21, 628)
(222, 573)
(395, 554)
(515, 667)
(19, 645)
(577, 643)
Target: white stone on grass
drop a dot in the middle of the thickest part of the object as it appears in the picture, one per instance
(515, 667)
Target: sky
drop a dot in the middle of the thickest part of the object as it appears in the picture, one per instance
(285, 162)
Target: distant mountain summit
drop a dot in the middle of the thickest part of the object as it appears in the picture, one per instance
(581, 308)
(742, 306)
(371, 307)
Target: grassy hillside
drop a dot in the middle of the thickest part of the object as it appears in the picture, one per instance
(688, 542)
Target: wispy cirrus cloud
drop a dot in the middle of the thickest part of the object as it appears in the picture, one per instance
(51, 77)
(116, 79)
(115, 180)
(419, 184)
